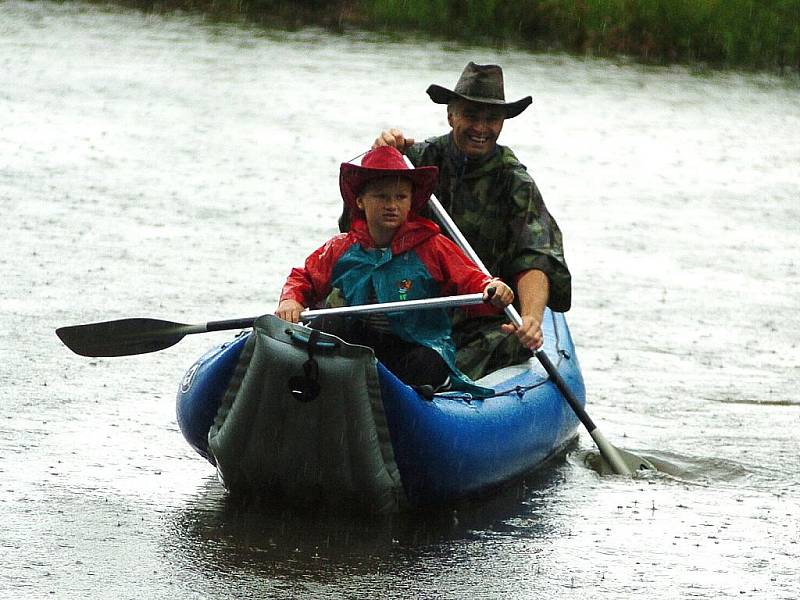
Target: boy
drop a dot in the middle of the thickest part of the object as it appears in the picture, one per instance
(391, 253)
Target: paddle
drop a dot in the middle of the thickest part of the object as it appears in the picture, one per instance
(621, 462)
(125, 337)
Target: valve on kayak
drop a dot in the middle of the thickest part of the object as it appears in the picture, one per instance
(306, 387)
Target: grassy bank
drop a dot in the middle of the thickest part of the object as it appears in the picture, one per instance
(746, 33)
(755, 34)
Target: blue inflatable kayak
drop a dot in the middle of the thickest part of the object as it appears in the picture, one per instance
(308, 418)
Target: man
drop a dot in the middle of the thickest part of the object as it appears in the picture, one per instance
(497, 206)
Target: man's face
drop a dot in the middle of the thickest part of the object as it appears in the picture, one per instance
(476, 127)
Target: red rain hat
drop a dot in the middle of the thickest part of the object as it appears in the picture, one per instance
(386, 161)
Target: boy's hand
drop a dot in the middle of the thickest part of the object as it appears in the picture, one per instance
(395, 139)
(289, 310)
(503, 296)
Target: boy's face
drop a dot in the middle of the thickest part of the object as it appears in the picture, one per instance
(386, 203)
(476, 127)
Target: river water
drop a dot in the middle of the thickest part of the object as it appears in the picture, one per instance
(172, 168)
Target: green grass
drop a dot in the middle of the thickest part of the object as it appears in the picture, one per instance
(755, 34)
(744, 33)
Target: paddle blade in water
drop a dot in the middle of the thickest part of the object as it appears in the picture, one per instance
(633, 462)
(123, 337)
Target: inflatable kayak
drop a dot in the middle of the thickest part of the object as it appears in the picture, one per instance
(303, 417)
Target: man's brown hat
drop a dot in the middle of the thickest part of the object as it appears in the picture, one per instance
(482, 84)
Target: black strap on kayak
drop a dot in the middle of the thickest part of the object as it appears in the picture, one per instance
(306, 387)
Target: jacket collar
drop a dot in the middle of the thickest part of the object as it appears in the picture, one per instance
(410, 234)
(459, 158)
(468, 167)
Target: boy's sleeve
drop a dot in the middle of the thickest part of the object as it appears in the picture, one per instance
(310, 284)
(452, 269)
(460, 275)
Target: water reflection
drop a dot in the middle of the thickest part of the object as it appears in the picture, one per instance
(218, 531)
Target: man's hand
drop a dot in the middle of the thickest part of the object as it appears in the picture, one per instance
(395, 139)
(530, 334)
(503, 295)
(289, 310)
(533, 288)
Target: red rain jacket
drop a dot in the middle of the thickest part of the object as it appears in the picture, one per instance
(445, 262)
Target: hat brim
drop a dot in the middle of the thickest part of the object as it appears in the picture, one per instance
(352, 179)
(441, 95)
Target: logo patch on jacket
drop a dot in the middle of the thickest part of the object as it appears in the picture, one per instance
(402, 288)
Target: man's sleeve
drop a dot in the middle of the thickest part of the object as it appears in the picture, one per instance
(538, 242)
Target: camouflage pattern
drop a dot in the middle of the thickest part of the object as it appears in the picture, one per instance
(482, 347)
(497, 206)
(499, 209)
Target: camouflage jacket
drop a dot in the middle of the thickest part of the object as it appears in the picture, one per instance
(497, 206)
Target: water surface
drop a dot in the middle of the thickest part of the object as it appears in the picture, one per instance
(166, 167)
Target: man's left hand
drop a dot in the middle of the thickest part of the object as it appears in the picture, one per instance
(530, 334)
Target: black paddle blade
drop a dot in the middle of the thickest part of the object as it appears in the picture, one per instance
(124, 337)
